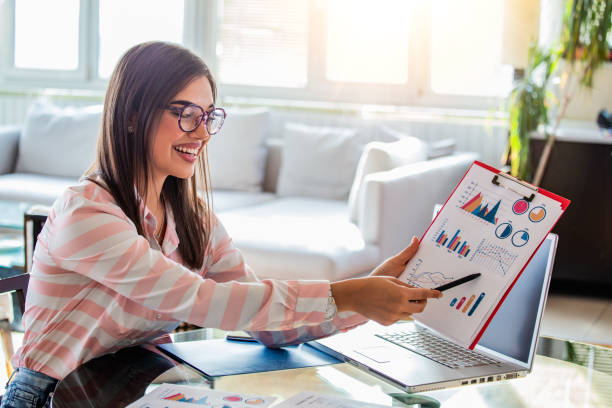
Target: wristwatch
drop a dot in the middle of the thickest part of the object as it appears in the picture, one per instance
(331, 310)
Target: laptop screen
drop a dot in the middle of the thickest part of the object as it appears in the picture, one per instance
(511, 330)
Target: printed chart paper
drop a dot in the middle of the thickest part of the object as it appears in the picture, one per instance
(483, 227)
(316, 400)
(184, 396)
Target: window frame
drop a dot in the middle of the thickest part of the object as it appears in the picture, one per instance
(201, 23)
(56, 77)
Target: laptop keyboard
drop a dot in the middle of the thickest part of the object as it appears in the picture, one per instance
(437, 349)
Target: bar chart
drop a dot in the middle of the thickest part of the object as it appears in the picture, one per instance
(465, 304)
(453, 243)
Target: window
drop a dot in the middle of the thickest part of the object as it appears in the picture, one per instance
(54, 44)
(466, 48)
(397, 52)
(265, 46)
(78, 42)
(368, 42)
(127, 23)
(388, 51)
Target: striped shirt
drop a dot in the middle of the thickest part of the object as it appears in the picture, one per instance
(97, 286)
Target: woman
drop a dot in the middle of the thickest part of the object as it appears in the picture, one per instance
(132, 250)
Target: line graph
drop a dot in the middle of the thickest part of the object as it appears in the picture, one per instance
(425, 279)
(429, 279)
(495, 257)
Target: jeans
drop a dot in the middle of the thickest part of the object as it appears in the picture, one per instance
(29, 389)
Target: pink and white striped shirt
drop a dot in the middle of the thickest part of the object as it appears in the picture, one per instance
(97, 286)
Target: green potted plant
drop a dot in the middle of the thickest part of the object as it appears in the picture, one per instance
(584, 48)
(529, 107)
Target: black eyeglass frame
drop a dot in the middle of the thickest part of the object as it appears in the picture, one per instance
(203, 117)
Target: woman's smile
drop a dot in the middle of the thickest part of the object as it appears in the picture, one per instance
(188, 151)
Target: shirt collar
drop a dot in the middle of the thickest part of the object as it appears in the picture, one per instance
(170, 241)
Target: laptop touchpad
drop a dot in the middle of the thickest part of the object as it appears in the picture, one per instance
(380, 354)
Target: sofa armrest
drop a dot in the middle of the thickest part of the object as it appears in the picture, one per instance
(394, 205)
(9, 140)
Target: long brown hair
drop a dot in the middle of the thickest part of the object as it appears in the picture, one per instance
(145, 79)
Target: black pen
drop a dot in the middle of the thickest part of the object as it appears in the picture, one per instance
(457, 282)
(452, 284)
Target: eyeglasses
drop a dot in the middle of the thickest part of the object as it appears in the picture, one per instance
(190, 116)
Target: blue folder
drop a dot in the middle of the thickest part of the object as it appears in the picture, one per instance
(217, 358)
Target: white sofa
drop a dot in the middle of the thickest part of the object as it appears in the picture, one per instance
(282, 232)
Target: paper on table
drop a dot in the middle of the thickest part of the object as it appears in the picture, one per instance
(316, 400)
(482, 228)
(184, 396)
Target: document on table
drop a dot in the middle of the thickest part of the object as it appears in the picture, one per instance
(185, 396)
(491, 224)
(316, 400)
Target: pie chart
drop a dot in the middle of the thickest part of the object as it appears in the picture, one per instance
(503, 230)
(537, 214)
(254, 401)
(520, 238)
(233, 398)
(520, 206)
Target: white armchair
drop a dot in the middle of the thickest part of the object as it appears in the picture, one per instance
(395, 205)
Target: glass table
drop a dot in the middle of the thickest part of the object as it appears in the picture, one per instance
(565, 374)
(11, 234)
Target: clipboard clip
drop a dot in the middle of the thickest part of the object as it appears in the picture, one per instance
(497, 177)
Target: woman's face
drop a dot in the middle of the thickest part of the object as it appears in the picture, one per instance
(175, 152)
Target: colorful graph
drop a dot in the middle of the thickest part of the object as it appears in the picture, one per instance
(476, 206)
(182, 398)
(428, 279)
(472, 301)
(520, 238)
(455, 244)
(520, 206)
(537, 214)
(503, 230)
(494, 257)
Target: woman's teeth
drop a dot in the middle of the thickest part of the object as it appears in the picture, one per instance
(186, 150)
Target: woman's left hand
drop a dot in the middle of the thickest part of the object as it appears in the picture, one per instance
(395, 265)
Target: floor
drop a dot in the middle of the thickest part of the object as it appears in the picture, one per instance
(566, 316)
(579, 318)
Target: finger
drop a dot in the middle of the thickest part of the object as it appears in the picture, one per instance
(422, 294)
(418, 293)
(409, 251)
(417, 307)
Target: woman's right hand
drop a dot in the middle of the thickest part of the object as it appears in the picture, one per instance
(381, 298)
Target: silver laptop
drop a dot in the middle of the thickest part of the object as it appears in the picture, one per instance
(415, 358)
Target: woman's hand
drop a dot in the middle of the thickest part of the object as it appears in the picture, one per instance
(381, 296)
(395, 265)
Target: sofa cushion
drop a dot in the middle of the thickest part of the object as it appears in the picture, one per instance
(236, 155)
(300, 238)
(33, 188)
(58, 141)
(379, 156)
(317, 161)
(224, 200)
(440, 148)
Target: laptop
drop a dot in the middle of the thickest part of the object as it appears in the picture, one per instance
(414, 358)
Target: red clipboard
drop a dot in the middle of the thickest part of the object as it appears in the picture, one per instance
(496, 177)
